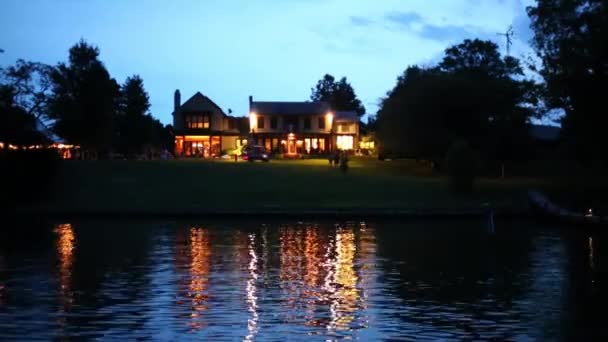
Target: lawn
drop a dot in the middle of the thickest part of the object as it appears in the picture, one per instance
(196, 186)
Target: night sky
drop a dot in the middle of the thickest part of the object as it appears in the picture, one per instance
(271, 49)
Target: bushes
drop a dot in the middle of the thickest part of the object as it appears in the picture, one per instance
(26, 175)
(462, 166)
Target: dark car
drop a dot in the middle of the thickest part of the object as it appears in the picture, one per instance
(254, 153)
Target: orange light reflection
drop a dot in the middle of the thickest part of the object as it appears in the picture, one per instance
(346, 295)
(200, 253)
(65, 253)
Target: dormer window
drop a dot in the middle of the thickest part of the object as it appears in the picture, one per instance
(198, 120)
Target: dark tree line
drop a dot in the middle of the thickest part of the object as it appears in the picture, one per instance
(571, 39)
(81, 103)
(474, 94)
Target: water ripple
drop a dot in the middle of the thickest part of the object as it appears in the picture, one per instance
(328, 282)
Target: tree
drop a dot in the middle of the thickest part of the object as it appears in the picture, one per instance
(17, 126)
(473, 94)
(411, 121)
(340, 95)
(83, 99)
(31, 83)
(571, 39)
(133, 117)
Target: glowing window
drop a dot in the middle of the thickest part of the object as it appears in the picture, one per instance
(345, 142)
(198, 121)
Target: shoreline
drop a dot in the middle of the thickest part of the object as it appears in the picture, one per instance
(351, 213)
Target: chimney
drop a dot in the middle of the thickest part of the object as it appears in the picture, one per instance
(250, 100)
(177, 100)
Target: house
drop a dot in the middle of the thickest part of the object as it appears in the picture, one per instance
(295, 128)
(201, 127)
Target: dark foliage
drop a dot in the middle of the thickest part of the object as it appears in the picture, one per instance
(134, 125)
(473, 94)
(571, 38)
(340, 95)
(83, 100)
(31, 84)
(17, 126)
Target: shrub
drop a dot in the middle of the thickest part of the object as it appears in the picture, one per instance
(462, 164)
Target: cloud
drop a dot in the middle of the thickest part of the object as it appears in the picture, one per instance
(447, 33)
(414, 23)
(403, 18)
(361, 21)
(521, 26)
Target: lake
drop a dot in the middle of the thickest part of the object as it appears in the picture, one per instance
(321, 280)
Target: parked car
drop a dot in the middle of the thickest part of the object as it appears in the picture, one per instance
(254, 153)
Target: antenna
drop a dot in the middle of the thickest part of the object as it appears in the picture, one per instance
(509, 38)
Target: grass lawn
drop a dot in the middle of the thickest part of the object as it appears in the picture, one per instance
(196, 186)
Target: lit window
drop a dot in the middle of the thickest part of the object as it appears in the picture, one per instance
(322, 144)
(344, 142)
(198, 121)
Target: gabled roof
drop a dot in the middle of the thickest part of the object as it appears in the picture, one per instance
(198, 101)
(289, 108)
(347, 116)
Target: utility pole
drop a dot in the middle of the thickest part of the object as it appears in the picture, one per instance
(509, 38)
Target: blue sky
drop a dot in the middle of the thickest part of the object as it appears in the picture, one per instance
(271, 49)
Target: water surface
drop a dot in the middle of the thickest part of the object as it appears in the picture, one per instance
(273, 281)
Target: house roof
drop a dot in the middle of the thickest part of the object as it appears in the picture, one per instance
(347, 116)
(545, 132)
(198, 101)
(289, 108)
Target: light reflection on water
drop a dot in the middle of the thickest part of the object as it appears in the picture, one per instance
(297, 281)
(251, 290)
(65, 253)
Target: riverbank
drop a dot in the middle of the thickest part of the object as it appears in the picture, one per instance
(294, 187)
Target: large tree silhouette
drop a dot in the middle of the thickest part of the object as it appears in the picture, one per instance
(132, 121)
(83, 100)
(340, 95)
(17, 126)
(473, 94)
(31, 85)
(571, 38)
